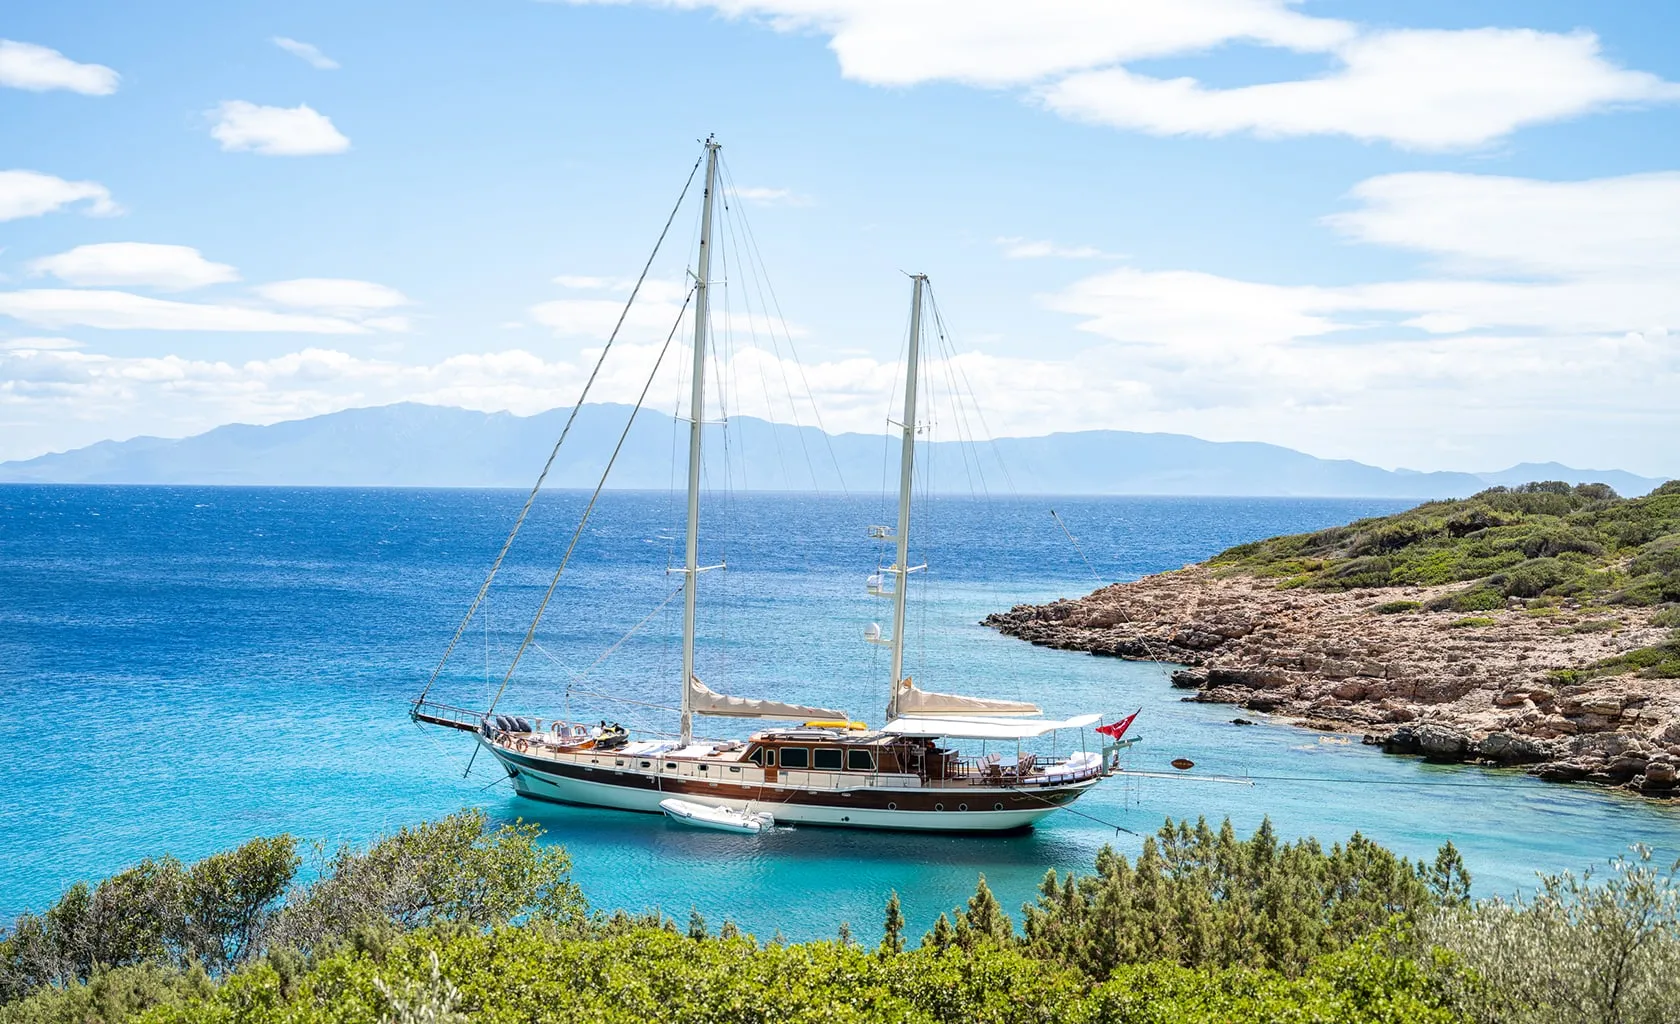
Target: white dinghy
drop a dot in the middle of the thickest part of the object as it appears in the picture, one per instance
(724, 819)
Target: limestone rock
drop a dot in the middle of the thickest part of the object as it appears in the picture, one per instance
(1411, 682)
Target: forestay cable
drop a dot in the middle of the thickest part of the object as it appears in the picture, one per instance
(567, 429)
(583, 522)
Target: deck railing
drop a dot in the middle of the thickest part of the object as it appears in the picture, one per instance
(446, 715)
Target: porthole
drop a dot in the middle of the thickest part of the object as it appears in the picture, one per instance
(670, 766)
(997, 807)
(647, 764)
(939, 807)
(962, 807)
(891, 806)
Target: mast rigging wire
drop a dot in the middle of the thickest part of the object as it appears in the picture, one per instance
(531, 499)
(530, 634)
(1076, 547)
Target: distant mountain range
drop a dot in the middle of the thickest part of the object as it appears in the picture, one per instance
(410, 445)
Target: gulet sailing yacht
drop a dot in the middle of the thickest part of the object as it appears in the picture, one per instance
(821, 768)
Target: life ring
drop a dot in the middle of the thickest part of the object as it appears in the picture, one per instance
(521, 746)
(501, 737)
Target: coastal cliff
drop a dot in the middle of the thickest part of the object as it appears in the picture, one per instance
(1533, 627)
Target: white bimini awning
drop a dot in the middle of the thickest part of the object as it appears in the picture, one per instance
(977, 729)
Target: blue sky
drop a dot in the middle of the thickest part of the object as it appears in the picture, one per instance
(1443, 236)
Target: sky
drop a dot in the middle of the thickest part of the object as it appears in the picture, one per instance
(1428, 235)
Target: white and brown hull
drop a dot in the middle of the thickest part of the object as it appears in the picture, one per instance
(597, 779)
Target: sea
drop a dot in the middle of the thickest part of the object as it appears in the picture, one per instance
(184, 668)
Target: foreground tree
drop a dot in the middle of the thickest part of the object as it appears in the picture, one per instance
(1583, 950)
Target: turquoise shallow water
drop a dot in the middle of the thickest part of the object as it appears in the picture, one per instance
(183, 668)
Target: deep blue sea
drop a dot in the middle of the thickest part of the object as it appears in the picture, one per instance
(184, 668)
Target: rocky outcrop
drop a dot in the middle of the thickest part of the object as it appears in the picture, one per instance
(1430, 684)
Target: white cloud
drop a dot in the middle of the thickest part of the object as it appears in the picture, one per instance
(114, 310)
(583, 282)
(992, 43)
(656, 308)
(31, 194)
(594, 318)
(763, 196)
(175, 267)
(38, 69)
(1030, 249)
(1418, 89)
(1423, 89)
(1608, 226)
(306, 52)
(37, 344)
(335, 294)
(1469, 403)
(276, 131)
(1580, 258)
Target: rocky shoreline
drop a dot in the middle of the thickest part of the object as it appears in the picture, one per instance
(1440, 685)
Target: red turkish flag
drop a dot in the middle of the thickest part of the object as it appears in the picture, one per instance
(1119, 728)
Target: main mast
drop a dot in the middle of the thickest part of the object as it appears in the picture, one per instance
(906, 468)
(696, 413)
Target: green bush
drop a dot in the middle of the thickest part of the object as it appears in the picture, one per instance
(1396, 607)
(1667, 617)
(1482, 599)
(158, 912)
(522, 974)
(457, 870)
(1539, 575)
(1205, 899)
(226, 909)
(1533, 540)
(1595, 626)
(1472, 622)
(1581, 951)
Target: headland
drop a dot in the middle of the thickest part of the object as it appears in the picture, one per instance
(1537, 626)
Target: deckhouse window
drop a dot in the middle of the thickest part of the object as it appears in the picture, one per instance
(827, 758)
(796, 757)
(859, 760)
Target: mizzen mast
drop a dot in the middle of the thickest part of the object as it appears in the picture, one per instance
(901, 569)
(696, 414)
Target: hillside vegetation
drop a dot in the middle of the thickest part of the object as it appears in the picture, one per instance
(454, 921)
(1538, 545)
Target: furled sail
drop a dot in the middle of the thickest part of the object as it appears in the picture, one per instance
(914, 701)
(704, 700)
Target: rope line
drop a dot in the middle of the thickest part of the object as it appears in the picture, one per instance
(577, 534)
(1073, 811)
(531, 499)
(1081, 551)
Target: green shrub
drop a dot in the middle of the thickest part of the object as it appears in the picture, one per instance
(1206, 899)
(1472, 622)
(1538, 575)
(1396, 607)
(1667, 617)
(457, 870)
(1581, 951)
(158, 912)
(1481, 599)
(1544, 538)
(1595, 626)
(226, 909)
